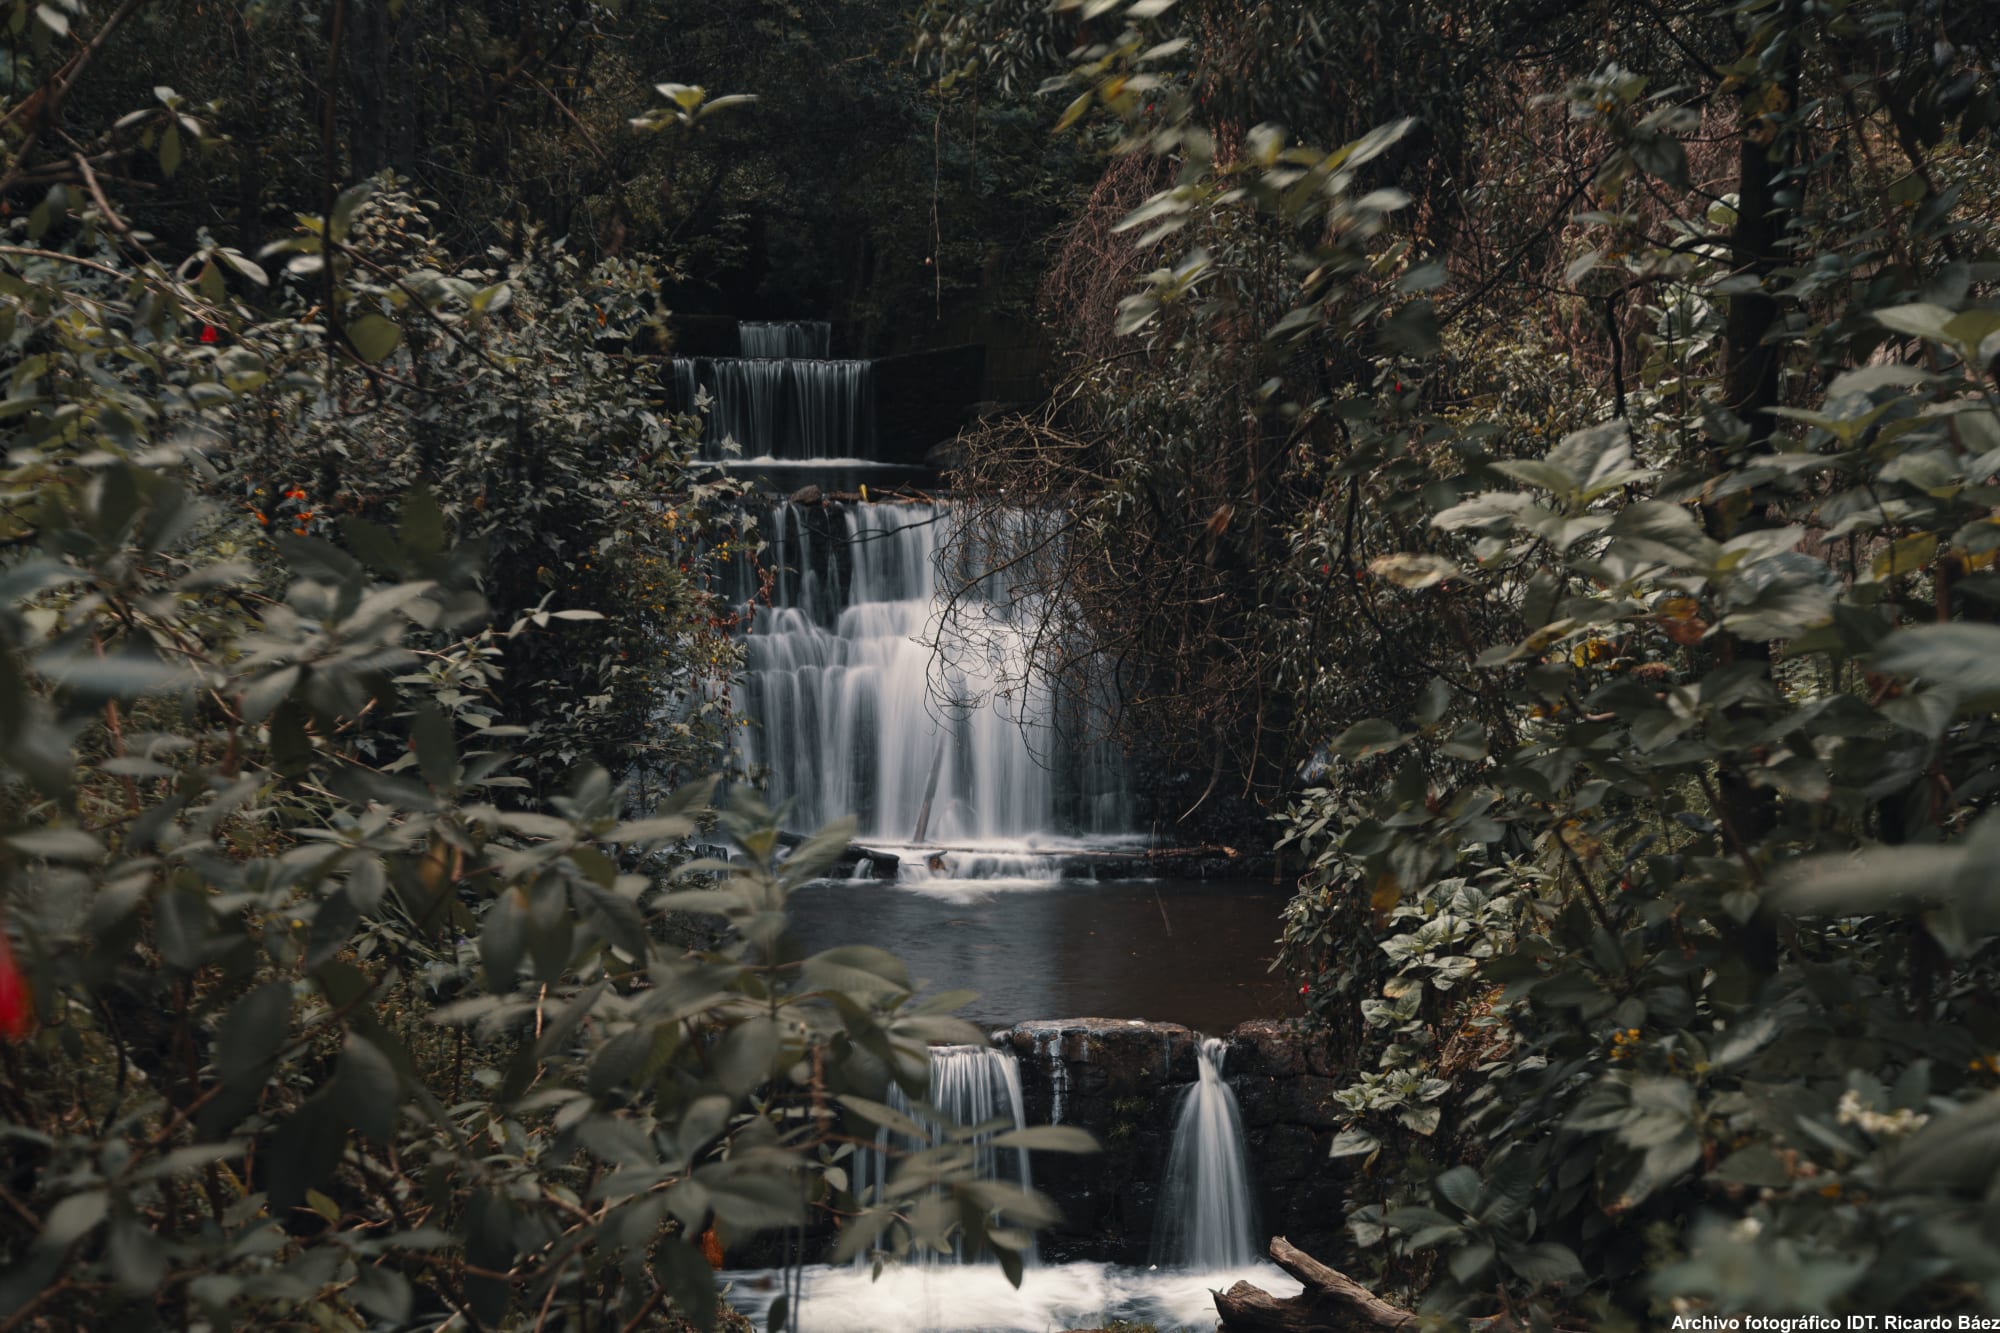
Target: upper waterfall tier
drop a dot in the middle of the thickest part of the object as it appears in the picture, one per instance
(787, 338)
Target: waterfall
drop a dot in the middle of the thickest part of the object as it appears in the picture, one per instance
(797, 410)
(1048, 1047)
(853, 715)
(787, 338)
(970, 1085)
(1207, 1220)
(851, 712)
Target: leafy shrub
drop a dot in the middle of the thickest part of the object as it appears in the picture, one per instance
(1648, 735)
(311, 1016)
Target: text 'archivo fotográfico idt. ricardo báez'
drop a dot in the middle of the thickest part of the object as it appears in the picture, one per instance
(1821, 1323)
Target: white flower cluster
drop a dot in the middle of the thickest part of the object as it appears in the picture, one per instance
(1893, 1125)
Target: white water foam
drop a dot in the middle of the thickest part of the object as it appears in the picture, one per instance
(915, 1298)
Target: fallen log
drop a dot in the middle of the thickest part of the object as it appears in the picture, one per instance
(1332, 1302)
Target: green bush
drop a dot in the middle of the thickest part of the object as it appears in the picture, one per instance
(321, 1008)
(1643, 680)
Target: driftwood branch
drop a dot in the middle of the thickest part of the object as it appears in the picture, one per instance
(1331, 1303)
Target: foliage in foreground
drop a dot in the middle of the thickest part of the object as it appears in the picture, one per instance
(1644, 667)
(317, 1013)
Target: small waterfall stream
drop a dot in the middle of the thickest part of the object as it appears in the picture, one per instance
(970, 1085)
(1207, 1218)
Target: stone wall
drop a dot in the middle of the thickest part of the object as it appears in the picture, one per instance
(1123, 1080)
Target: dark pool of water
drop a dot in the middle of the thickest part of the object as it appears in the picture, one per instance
(1171, 951)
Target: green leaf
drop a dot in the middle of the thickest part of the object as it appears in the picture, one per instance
(744, 1058)
(688, 1279)
(1353, 1142)
(374, 337)
(437, 751)
(251, 1033)
(341, 221)
(370, 1091)
(1544, 1262)
(663, 828)
(1460, 1187)
(860, 1233)
(126, 674)
(1411, 331)
(1413, 571)
(1661, 156)
(1049, 1138)
(504, 939)
(138, 1258)
(73, 1219)
(1959, 654)
(1469, 1263)
(887, 1117)
(1369, 737)
(421, 528)
(383, 1292)
(811, 858)
(751, 1195)
(57, 844)
(1922, 320)
(866, 959)
(1958, 1153)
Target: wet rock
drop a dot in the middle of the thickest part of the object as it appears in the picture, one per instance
(1258, 1097)
(1110, 1056)
(1266, 1046)
(1309, 1101)
(807, 495)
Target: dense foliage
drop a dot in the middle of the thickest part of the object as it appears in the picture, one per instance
(1569, 503)
(345, 977)
(1589, 478)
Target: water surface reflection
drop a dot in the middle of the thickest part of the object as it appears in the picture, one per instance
(1168, 950)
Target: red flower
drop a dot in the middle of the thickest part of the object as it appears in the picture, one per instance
(1306, 989)
(209, 333)
(17, 1005)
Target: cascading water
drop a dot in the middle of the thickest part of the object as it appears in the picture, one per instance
(970, 1085)
(851, 714)
(786, 338)
(851, 718)
(795, 410)
(1207, 1219)
(784, 398)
